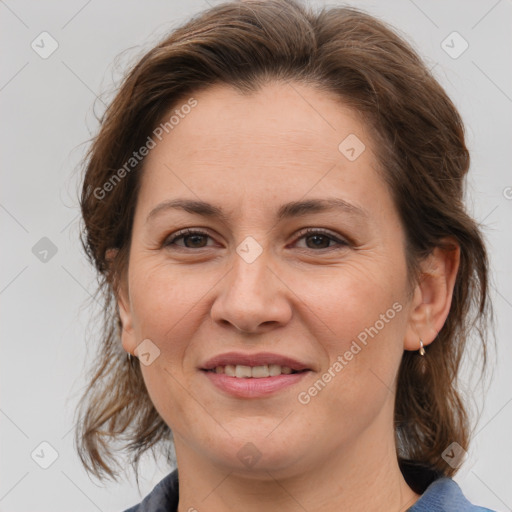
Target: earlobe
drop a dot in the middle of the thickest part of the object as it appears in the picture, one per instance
(433, 295)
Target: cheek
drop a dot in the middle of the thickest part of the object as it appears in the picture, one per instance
(165, 304)
(164, 296)
(169, 306)
(350, 298)
(362, 323)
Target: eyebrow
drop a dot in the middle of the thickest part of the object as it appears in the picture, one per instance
(288, 210)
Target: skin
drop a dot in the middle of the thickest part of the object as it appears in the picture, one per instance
(249, 155)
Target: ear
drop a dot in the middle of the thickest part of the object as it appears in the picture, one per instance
(124, 308)
(433, 295)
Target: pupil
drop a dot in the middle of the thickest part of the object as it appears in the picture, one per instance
(319, 238)
(195, 239)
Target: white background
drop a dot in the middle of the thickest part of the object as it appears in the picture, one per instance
(46, 120)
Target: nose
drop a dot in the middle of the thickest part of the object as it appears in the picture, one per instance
(252, 297)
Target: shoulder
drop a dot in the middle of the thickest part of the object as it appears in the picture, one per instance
(163, 497)
(445, 495)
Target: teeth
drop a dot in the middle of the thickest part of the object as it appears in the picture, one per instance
(242, 371)
(256, 372)
(274, 369)
(229, 370)
(260, 371)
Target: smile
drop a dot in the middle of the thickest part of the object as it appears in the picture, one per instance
(240, 371)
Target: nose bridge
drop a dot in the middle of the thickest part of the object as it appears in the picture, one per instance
(249, 272)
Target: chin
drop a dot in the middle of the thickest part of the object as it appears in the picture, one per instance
(260, 449)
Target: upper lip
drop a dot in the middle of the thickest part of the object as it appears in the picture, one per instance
(259, 359)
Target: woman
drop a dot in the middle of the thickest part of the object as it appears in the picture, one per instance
(274, 205)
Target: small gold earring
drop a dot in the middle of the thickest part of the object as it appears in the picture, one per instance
(421, 350)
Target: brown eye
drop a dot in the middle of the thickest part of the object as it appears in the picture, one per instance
(319, 239)
(191, 239)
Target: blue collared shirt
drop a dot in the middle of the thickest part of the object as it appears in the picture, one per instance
(444, 495)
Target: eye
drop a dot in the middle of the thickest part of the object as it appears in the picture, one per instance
(321, 239)
(192, 239)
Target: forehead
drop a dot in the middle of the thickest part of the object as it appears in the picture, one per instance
(284, 139)
(279, 114)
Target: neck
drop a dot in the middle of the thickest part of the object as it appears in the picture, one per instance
(363, 477)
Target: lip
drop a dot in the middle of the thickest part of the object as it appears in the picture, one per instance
(258, 359)
(251, 387)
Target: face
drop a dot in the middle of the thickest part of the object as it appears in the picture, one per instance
(260, 282)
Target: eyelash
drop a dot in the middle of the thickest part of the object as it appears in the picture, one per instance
(169, 241)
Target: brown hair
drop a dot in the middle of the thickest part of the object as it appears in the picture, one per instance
(419, 139)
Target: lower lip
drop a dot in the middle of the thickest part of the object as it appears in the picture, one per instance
(251, 387)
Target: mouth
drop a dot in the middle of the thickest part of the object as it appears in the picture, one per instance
(253, 375)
